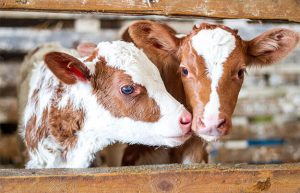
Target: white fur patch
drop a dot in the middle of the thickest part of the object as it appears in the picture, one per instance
(214, 46)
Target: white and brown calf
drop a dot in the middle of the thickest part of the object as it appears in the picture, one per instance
(211, 62)
(76, 107)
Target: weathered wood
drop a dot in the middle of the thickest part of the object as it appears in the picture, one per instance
(165, 178)
(253, 9)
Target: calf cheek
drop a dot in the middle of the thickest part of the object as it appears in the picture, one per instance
(106, 89)
(139, 108)
(228, 99)
(144, 109)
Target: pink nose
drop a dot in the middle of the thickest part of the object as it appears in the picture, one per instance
(215, 126)
(185, 122)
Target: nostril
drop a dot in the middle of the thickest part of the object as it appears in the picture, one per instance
(185, 120)
(221, 123)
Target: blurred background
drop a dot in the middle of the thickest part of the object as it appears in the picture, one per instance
(266, 125)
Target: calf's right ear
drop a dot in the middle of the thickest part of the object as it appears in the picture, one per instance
(67, 68)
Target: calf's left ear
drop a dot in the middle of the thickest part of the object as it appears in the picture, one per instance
(66, 68)
(271, 46)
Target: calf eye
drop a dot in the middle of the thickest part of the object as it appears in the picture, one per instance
(185, 71)
(127, 89)
(241, 73)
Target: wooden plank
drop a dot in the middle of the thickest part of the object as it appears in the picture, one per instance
(164, 178)
(253, 9)
(9, 14)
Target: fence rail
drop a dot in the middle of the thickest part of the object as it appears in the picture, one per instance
(252, 9)
(164, 178)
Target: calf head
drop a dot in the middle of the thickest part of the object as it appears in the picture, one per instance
(211, 62)
(131, 100)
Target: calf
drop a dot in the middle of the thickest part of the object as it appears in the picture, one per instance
(211, 62)
(76, 107)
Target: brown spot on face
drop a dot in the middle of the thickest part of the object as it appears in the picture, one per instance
(107, 83)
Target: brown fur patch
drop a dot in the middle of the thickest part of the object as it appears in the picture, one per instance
(107, 82)
(64, 124)
(34, 133)
(30, 132)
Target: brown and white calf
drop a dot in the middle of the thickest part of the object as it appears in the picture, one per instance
(76, 107)
(205, 71)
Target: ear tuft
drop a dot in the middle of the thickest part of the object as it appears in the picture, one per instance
(66, 68)
(271, 46)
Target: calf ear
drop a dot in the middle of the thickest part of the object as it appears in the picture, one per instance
(153, 37)
(86, 49)
(271, 46)
(66, 68)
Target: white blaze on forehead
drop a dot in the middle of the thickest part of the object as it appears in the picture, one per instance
(214, 46)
